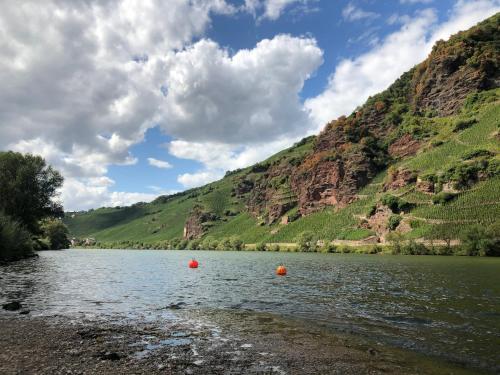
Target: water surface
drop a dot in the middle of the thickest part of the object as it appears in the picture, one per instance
(444, 306)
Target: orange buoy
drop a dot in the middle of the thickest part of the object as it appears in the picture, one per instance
(281, 270)
(193, 263)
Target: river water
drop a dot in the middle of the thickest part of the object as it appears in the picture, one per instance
(448, 307)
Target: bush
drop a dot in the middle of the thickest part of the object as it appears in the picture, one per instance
(414, 248)
(306, 241)
(462, 124)
(261, 246)
(478, 240)
(15, 241)
(274, 247)
(476, 154)
(56, 233)
(443, 197)
(395, 204)
(329, 247)
(236, 243)
(393, 222)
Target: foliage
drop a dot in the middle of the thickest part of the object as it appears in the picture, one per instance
(56, 233)
(261, 246)
(15, 240)
(443, 197)
(396, 204)
(482, 241)
(27, 188)
(306, 241)
(394, 221)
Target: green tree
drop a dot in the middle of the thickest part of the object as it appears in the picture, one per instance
(236, 243)
(482, 241)
(15, 240)
(306, 241)
(56, 233)
(27, 189)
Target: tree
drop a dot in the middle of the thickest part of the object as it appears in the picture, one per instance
(27, 189)
(57, 234)
(15, 240)
(478, 240)
(306, 241)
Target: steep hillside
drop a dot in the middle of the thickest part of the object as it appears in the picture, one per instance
(420, 159)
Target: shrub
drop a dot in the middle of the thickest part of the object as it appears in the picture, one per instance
(443, 197)
(236, 243)
(393, 222)
(414, 248)
(478, 240)
(15, 241)
(371, 210)
(462, 124)
(274, 247)
(476, 153)
(56, 233)
(306, 241)
(328, 247)
(394, 203)
(261, 246)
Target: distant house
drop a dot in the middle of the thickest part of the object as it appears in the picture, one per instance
(89, 241)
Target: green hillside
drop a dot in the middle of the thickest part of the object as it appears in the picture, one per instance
(420, 160)
(160, 221)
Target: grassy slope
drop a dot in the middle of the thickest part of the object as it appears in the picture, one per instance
(163, 221)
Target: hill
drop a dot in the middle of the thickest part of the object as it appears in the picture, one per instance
(420, 159)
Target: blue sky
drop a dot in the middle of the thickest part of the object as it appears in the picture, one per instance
(220, 85)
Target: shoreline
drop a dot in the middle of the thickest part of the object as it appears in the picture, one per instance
(252, 344)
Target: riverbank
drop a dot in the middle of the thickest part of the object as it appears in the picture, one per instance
(259, 344)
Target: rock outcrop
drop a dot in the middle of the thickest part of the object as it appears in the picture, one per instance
(399, 178)
(196, 222)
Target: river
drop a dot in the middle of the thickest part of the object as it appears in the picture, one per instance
(448, 307)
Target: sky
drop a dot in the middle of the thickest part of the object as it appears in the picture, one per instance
(131, 99)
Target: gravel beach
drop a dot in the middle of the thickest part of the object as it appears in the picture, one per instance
(252, 344)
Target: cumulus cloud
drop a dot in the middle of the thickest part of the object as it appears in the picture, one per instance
(251, 96)
(353, 13)
(162, 164)
(80, 80)
(273, 9)
(218, 158)
(354, 80)
(81, 194)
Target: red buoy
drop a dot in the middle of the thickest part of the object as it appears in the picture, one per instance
(281, 270)
(193, 263)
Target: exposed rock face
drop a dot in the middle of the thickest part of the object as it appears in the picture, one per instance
(400, 178)
(378, 221)
(468, 62)
(194, 227)
(425, 186)
(404, 146)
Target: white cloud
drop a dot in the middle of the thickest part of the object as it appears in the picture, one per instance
(354, 80)
(80, 80)
(190, 180)
(82, 194)
(273, 9)
(354, 13)
(159, 163)
(218, 158)
(251, 96)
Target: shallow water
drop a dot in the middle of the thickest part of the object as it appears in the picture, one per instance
(445, 306)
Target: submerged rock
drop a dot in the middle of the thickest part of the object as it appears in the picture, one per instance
(12, 306)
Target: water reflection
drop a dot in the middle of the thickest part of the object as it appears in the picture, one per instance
(450, 306)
